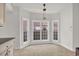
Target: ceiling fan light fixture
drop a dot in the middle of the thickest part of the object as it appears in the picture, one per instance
(44, 11)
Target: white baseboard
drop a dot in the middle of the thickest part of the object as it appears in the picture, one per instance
(34, 43)
(71, 49)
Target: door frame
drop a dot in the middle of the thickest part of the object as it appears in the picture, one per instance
(22, 43)
(40, 41)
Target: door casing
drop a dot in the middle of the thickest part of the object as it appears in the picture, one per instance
(40, 41)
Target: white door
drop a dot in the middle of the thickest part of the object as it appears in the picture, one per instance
(24, 32)
(40, 31)
(55, 31)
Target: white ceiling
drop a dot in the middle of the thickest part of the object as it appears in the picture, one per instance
(37, 7)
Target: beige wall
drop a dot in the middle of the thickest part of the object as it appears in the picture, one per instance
(66, 27)
(2, 10)
(76, 24)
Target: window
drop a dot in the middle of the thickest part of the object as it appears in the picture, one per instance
(55, 32)
(44, 31)
(25, 30)
(36, 31)
(40, 30)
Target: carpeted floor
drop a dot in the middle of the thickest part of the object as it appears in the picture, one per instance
(43, 50)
